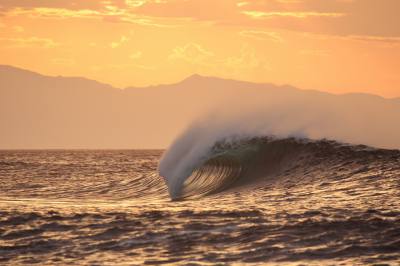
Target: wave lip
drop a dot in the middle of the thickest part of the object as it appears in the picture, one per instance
(254, 161)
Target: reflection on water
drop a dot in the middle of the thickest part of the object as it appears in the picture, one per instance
(110, 207)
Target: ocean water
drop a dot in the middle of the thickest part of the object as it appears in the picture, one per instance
(261, 202)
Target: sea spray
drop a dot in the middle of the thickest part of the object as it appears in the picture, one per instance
(352, 118)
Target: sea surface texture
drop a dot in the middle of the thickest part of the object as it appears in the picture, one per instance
(259, 201)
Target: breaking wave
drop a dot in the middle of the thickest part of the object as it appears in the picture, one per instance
(261, 162)
(251, 133)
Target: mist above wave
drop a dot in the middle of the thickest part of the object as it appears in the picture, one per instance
(281, 112)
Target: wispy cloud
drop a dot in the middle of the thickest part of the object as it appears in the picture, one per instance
(135, 3)
(261, 35)
(364, 38)
(111, 13)
(30, 42)
(247, 59)
(236, 13)
(300, 15)
(60, 13)
(244, 3)
(192, 53)
(118, 43)
(369, 38)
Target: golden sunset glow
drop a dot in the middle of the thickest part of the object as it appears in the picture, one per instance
(200, 132)
(337, 46)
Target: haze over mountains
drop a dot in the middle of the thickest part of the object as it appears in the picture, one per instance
(40, 112)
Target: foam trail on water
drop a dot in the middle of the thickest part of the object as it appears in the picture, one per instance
(353, 118)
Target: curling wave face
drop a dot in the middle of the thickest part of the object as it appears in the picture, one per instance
(262, 162)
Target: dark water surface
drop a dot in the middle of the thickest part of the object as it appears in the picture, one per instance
(328, 205)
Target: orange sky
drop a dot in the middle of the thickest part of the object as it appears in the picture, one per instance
(332, 45)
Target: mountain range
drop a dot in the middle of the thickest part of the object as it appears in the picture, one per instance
(45, 112)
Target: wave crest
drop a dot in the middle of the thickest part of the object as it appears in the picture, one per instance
(240, 163)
